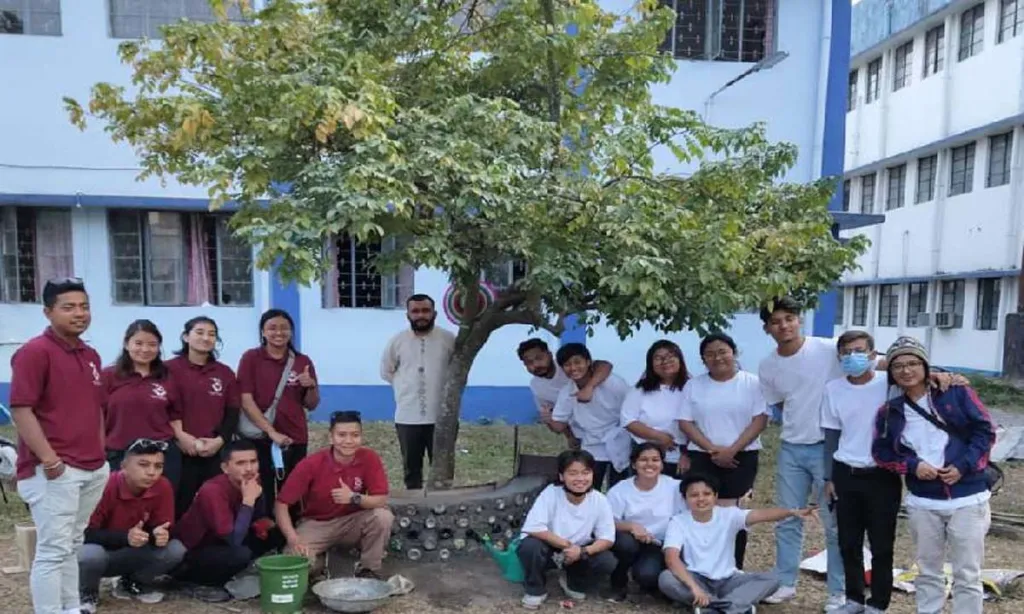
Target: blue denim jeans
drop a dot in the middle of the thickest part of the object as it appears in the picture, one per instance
(802, 471)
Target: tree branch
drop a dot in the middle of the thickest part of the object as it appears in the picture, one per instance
(529, 318)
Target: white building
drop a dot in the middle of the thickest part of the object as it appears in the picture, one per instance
(934, 132)
(70, 204)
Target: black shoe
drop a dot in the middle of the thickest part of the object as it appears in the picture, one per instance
(614, 595)
(369, 574)
(126, 588)
(88, 602)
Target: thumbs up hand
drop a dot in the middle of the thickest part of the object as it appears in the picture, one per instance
(305, 379)
(343, 494)
(162, 535)
(137, 536)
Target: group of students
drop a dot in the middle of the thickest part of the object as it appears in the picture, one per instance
(855, 428)
(153, 471)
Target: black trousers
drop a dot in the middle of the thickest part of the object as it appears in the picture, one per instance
(214, 565)
(868, 501)
(172, 462)
(603, 468)
(646, 561)
(535, 556)
(268, 475)
(415, 440)
(195, 470)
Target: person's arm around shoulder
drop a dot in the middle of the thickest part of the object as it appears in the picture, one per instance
(602, 370)
(29, 375)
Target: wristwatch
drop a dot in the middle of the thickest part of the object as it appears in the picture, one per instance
(357, 499)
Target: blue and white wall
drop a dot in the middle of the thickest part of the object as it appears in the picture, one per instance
(44, 161)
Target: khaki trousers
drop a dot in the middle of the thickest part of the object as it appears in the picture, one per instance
(367, 530)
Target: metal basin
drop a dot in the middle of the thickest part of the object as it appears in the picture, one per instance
(352, 594)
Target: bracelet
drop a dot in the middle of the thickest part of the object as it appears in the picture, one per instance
(53, 466)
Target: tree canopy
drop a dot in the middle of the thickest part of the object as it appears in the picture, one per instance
(478, 132)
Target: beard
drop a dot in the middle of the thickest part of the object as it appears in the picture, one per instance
(422, 326)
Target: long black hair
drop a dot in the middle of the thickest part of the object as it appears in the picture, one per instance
(269, 315)
(124, 366)
(188, 329)
(649, 381)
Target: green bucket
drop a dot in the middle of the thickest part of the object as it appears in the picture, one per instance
(283, 582)
(507, 560)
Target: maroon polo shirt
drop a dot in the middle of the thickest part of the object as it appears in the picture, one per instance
(316, 476)
(62, 385)
(120, 509)
(138, 407)
(211, 517)
(205, 392)
(259, 374)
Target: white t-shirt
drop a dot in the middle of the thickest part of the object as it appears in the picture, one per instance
(545, 390)
(580, 524)
(658, 410)
(593, 421)
(651, 509)
(851, 410)
(723, 410)
(708, 548)
(798, 382)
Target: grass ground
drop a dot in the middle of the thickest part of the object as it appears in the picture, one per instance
(486, 454)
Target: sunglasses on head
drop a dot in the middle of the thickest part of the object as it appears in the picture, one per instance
(147, 446)
(60, 281)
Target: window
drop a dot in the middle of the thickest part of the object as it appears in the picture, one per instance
(168, 259)
(860, 305)
(902, 65)
(874, 81)
(897, 187)
(917, 302)
(35, 246)
(952, 300)
(840, 307)
(504, 274)
(999, 148)
(846, 195)
(138, 19)
(721, 30)
(888, 304)
(354, 281)
(972, 31)
(36, 17)
(867, 193)
(1011, 19)
(961, 177)
(934, 49)
(927, 168)
(851, 91)
(988, 304)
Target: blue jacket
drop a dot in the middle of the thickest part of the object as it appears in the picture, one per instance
(958, 407)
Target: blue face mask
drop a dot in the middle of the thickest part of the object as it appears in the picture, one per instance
(856, 364)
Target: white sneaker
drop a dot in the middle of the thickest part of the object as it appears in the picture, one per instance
(870, 609)
(785, 593)
(533, 602)
(837, 603)
(850, 607)
(563, 581)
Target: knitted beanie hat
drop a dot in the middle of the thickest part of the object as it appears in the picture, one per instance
(906, 346)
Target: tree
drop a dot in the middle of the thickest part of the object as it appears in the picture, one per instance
(478, 136)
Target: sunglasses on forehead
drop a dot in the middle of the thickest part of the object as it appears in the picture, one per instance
(147, 446)
(60, 281)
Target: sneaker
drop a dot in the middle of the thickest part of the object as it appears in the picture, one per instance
(211, 594)
(615, 595)
(533, 602)
(870, 609)
(785, 593)
(369, 574)
(563, 581)
(127, 588)
(850, 607)
(88, 603)
(837, 602)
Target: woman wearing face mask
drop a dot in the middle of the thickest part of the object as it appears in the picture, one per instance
(723, 414)
(140, 399)
(209, 407)
(569, 522)
(650, 411)
(276, 380)
(642, 506)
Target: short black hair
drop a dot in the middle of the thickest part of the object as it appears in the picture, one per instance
(717, 336)
(853, 335)
(698, 478)
(346, 417)
(645, 446)
(568, 457)
(419, 297)
(55, 287)
(531, 344)
(569, 350)
(783, 303)
(237, 445)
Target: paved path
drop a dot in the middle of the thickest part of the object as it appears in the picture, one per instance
(1007, 418)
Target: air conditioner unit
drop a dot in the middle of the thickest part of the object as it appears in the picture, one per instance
(945, 319)
(923, 319)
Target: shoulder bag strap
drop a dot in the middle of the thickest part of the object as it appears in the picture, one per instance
(271, 412)
(930, 417)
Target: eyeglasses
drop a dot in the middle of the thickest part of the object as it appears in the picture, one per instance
(906, 366)
(147, 446)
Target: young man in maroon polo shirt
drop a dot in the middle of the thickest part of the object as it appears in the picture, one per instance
(129, 534)
(344, 491)
(62, 469)
(226, 527)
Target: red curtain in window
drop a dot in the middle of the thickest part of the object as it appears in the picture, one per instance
(198, 261)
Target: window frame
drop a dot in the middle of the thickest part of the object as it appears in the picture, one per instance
(851, 89)
(151, 23)
(888, 305)
(861, 302)
(972, 32)
(899, 174)
(12, 244)
(714, 30)
(840, 315)
(903, 65)
(995, 177)
(873, 85)
(1012, 23)
(393, 294)
(917, 302)
(846, 194)
(925, 190)
(29, 12)
(965, 185)
(934, 51)
(988, 305)
(867, 196)
(952, 293)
